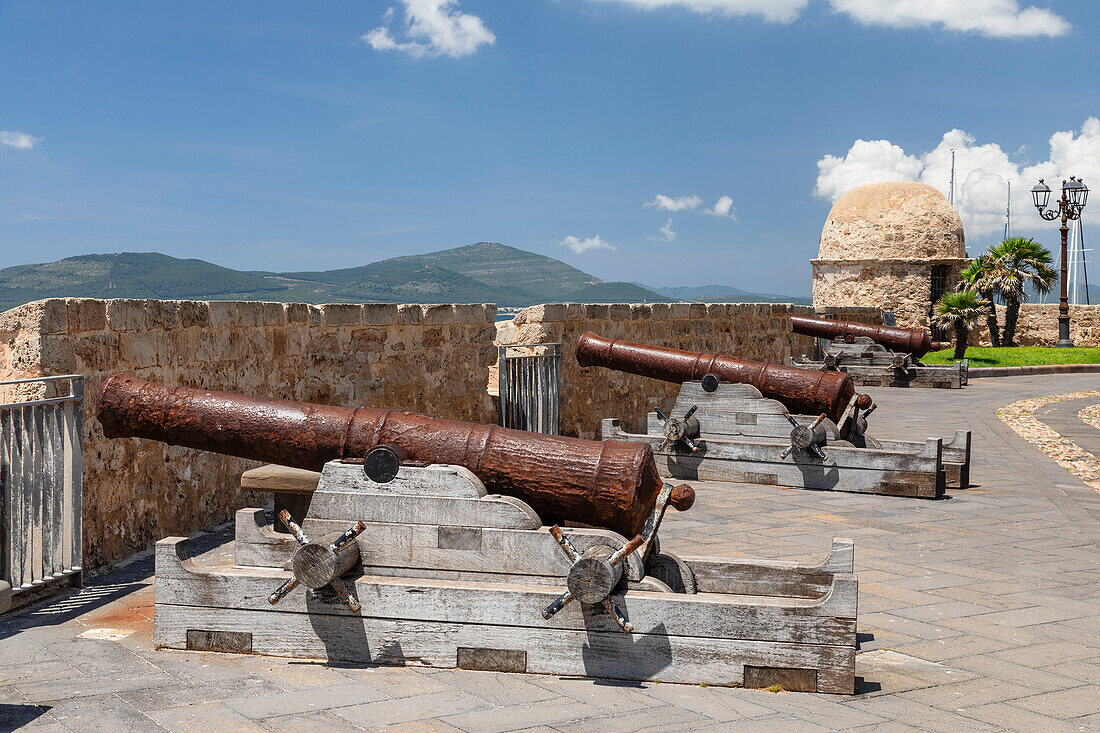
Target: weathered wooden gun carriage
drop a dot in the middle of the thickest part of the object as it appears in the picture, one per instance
(877, 356)
(425, 541)
(733, 421)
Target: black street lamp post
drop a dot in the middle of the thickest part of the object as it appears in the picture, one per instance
(1074, 196)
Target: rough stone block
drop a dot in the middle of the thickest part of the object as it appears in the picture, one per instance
(138, 350)
(574, 311)
(126, 315)
(680, 310)
(473, 312)
(546, 312)
(596, 311)
(316, 318)
(660, 311)
(342, 314)
(223, 313)
(697, 310)
(162, 313)
(297, 313)
(274, 314)
(439, 314)
(380, 314)
(57, 354)
(53, 315)
(619, 312)
(97, 352)
(410, 313)
(194, 313)
(641, 311)
(250, 313)
(87, 314)
(717, 310)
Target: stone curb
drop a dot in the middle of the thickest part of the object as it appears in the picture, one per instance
(1038, 369)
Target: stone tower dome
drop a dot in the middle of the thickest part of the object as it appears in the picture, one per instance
(897, 219)
(897, 246)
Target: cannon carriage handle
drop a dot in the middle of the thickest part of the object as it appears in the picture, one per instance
(595, 572)
(680, 430)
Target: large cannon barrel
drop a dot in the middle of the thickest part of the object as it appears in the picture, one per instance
(903, 340)
(800, 390)
(611, 484)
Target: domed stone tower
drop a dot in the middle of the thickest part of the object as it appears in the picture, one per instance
(896, 246)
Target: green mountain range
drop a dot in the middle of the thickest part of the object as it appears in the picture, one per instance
(485, 272)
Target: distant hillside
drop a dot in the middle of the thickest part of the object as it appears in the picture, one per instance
(543, 278)
(479, 273)
(725, 294)
(130, 275)
(614, 292)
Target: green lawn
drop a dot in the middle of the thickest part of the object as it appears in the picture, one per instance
(1017, 356)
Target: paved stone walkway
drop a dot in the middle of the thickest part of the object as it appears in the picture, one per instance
(977, 612)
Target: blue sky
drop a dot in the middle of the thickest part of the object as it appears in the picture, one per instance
(315, 135)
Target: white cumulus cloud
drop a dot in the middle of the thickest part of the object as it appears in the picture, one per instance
(432, 28)
(21, 140)
(579, 246)
(982, 173)
(994, 18)
(668, 234)
(777, 11)
(679, 203)
(723, 207)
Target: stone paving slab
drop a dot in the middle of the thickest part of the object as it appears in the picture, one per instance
(980, 611)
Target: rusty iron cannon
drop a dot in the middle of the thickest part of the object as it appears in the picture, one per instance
(733, 421)
(609, 484)
(421, 544)
(913, 341)
(800, 390)
(875, 355)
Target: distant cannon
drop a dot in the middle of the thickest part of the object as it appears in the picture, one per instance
(913, 341)
(877, 356)
(800, 390)
(733, 421)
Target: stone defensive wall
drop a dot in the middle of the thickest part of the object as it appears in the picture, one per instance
(758, 331)
(1038, 325)
(432, 359)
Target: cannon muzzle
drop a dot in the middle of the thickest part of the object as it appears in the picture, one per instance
(802, 391)
(902, 340)
(609, 484)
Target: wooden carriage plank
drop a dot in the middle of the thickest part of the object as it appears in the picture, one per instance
(592, 653)
(829, 619)
(773, 577)
(503, 512)
(430, 480)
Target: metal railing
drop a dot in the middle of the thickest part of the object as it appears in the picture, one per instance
(530, 387)
(41, 470)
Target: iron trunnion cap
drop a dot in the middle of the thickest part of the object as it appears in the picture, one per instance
(612, 484)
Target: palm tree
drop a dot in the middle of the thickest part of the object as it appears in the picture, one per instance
(977, 277)
(1017, 263)
(961, 311)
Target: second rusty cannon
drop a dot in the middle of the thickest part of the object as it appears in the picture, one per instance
(876, 355)
(410, 554)
(745, 425)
